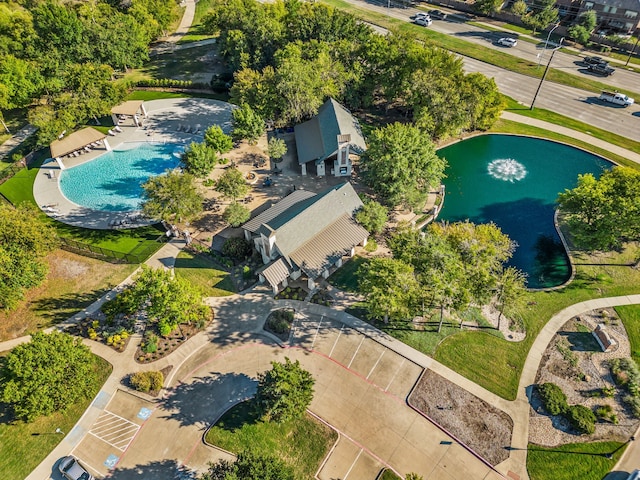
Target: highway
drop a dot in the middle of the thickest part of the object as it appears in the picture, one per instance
(571, 102)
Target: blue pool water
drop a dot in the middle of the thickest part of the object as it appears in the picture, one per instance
(514, 182)
(113, 181)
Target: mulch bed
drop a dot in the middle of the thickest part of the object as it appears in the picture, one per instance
(483, 428)
(166, 345)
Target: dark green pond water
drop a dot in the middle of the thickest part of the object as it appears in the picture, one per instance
(514, 182)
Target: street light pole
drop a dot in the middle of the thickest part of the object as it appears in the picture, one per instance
(545, 73)
(546, 43)
(634, 48)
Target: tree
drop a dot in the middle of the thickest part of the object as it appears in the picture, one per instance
(48, 374)
(400, 165)
(249, 466)
(581, 31)
(236, 214)
(277, 149)
(482, 100)
(603, 213)
(511, 290)
(542, 14)
(372, 216)
(217, 140)
(487, 7)
(25, 240)
(247, 124)
(172, 197)
(519, 8)
(232, 184)
(390, 288)
(199, 159)
(284, 392)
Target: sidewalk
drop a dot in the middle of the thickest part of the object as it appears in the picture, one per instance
(623, 152)
(7, 147)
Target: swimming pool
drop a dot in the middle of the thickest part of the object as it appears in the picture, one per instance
(113, 181)
(514, 182)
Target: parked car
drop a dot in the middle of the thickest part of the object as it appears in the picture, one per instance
(601, 69)
(437, 14)
(508, 42)
(424, 21)
(594, 60)
(419, 15)
(71, 468)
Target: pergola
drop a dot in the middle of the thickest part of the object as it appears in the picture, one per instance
(130, 108)
(75, 142)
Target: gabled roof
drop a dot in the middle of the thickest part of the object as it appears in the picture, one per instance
(272, 212)
(130, 107)
(276, 272)
(317, 139)
(75, 141)
(311, 232)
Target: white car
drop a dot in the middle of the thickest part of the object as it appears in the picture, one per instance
(424, 21)
(508, 42)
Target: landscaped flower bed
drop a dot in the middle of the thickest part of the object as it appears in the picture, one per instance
(114, 333)
(279, 323)
(292, 293)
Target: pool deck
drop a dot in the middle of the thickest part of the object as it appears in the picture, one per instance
(161, 125)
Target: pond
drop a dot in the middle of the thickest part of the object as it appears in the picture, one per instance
(514, 182)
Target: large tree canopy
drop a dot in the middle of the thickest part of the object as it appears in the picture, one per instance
(603, 213)
(24, 241)
(401, 165)
(172, 197)
(46, 375)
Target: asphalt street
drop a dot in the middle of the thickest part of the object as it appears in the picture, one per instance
(571, 102)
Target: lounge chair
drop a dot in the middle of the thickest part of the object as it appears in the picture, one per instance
(117, 129)
(111, 132)
(187, 129)
(179, 128)
(87, 148)
(196, 129)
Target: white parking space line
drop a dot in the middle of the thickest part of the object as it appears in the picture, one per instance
(336, 342)
(394, 375)
(317, 330)
(114, 430)
(376, 364)
(352, 465)
(356, 352)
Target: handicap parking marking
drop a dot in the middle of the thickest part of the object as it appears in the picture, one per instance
(114, 430)
(111, 461)
(144, 413)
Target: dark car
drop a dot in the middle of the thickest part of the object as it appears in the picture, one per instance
(601, 69)
(594, 60)
(72, 470)
(437, 14)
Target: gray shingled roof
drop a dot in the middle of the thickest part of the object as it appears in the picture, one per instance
(276, 209)
(329, 245)
(317, 139)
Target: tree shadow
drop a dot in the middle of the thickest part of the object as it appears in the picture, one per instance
(204, 399)
(59, 309)
(581, 341)
(160, 470)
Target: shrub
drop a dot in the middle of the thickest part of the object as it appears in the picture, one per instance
(147, 381)
(246, 272)
(280, 321)
(634, 404)
(625, 371)
(151, 343)
(236, 247)
(582, 419)
(553, 398)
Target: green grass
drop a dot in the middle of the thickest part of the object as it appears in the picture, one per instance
(19, 188)
(388, 475)
(179, 64)
(477, 51)
(345, 277)
(302, 443)
(630, 316)
(586, 461)
(148, 95)
(572, 123)
(497, 364)
(24, 445)
(201, 271)
(507, 126)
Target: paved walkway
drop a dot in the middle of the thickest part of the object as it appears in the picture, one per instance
(7, 147)
(623, 152)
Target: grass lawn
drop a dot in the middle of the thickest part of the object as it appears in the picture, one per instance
(507, 126)
(73, 283)
(568, 122)
(148, 95)
(388, 475)
(24, 445)
(302, 443)
(201, 271)
(586, 461)
(479, 52)
(345, 277)
(630, 316)
(496, 364)
(177, 64)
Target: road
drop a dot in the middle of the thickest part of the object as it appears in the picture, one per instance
(571, 102)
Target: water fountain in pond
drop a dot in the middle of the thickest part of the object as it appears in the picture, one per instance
(507, 169)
